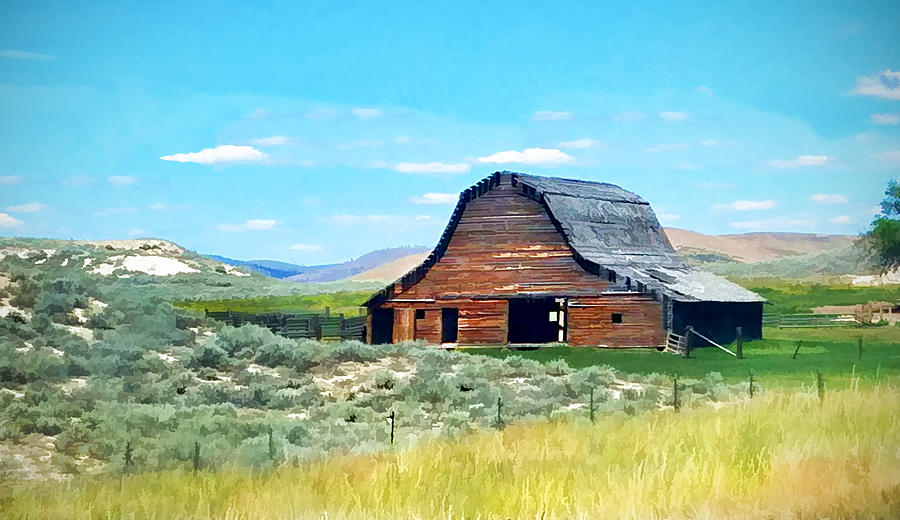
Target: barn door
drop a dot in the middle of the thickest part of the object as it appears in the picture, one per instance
(449, 325)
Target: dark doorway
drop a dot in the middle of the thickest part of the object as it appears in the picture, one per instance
(382, 326)
(533, 320)
(449, 325)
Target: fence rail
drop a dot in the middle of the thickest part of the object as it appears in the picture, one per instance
(311, 325)
(787, 321)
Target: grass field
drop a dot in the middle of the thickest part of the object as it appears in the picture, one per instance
(780, 455)
(792, 298)
(346, 302)
(833, 351)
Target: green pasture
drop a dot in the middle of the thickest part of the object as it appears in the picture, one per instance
(346, 302)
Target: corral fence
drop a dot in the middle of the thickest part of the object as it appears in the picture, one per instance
(311, 325)
(792, 321)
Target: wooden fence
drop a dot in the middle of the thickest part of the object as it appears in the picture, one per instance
(312, 325)
(789, 321)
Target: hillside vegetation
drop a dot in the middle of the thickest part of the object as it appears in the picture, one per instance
(776, 456)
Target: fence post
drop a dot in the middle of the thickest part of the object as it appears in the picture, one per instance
(499, 408)
(740, 343)
(128, 462)
(675, 403)
(271, 446)
(196, 456)
(751, 385)
(687, 341)
(327, 311)
(592, 404)
(797, 350)
(820, 385)
(859, 347)
(392, 427)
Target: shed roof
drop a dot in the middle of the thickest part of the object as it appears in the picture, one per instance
(607, 227)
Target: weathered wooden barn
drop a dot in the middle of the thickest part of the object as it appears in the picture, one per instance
(528, 259)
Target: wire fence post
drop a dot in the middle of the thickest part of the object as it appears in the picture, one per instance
(128, 461)
(859, 347)
(675, 404)
(740, 343)
(592, 404)
(196, 456)
(751, 385)
(392, 427)
(820, 385)
(499, 410)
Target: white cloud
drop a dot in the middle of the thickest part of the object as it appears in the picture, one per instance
(432, 167)
(10, 179)
(773, 224)
(746, 205)
(249, 225)
(666, 147)
(24, 55)
(159, 206)
(384, 220)
(667, 218)
(890, 155)
(841, 219)
(114, 211)
(352, 145)
(885, 119)
(824, 198)
(307, 247)
(673, 117)
(578, 144)
(885, 84)
(321, 113)
(275, 140)
(688, 166)
(703, 89)
(628, 117)
(227, 153)
(549, 115)
(435, 198)
(121, 180)
(529, 156)
(76, 180)
(367, 113)
(31, 207)
(7, 221)
(802, 160)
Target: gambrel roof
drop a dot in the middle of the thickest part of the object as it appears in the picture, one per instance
(608, 229)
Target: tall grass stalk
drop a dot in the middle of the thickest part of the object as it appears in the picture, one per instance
(780, 455)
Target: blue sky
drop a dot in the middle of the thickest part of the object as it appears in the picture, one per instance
(315, 132)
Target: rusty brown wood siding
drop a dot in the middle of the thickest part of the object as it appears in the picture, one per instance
(505, 244)
(404, 325)
(369, 327)
(592, 324)
(429, 327)
(480, 321)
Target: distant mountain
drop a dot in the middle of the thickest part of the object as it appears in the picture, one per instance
(323, 273)
(752, 247)
(271, 268)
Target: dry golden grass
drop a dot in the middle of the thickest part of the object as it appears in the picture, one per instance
(782, 455)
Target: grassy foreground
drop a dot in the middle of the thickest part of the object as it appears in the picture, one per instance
(780, 455)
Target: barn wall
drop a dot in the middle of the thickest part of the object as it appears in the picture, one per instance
(590, 321)
(505, 244)
(404, 325)
(719, 321)
(480, 321)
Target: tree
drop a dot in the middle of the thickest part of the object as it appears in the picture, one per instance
(883, 239)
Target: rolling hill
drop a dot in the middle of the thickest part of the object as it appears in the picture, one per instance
(753, 247)
(325, 272)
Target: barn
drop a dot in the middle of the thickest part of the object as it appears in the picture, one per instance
(527, 259)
